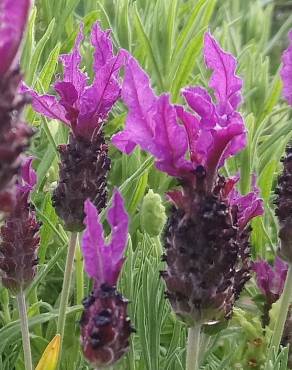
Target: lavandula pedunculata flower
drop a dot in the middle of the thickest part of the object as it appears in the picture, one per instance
(105, 326)
(14, 134)
(206, 236)
(20, 236)
(84, 108)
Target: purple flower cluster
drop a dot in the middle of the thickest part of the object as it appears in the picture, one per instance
(206, 236)
(214, 133)
(105, 326)
(81, 106)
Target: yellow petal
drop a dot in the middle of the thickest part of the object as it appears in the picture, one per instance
(50, 356)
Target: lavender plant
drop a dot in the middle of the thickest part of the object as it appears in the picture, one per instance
(210, 144)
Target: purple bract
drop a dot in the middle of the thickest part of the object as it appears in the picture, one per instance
(13, 17)
(214, 133)
(286, 71)
(81, 106)
(103, 262)
(271, 279)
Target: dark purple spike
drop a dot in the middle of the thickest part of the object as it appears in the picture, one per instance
(83, 169)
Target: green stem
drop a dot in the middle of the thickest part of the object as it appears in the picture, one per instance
(193, 348)
(79, 275)
(24, 330)
(283, 311)
(5, 306)
(66, 288)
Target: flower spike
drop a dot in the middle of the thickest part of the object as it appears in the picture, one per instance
(84, 107)
(105, 327)
(207, 233)
(20, 236)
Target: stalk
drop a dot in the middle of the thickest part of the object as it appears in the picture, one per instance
(79, 275)
(66, 288)
(283, 311)
(193, 348)
(24, 330)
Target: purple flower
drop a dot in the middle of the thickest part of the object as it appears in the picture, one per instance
(103, 261)
(271, 279)
(248, 206)
(84, 107)
(13, 17)
(20, 235)
(206, 238)
(286, 71)
(214, 133)
(81, 106)
(105, 326)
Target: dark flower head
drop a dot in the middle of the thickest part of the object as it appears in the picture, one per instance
(19, 236)
(271, 280)
(81, 106)
(206, 237)
(105, 326)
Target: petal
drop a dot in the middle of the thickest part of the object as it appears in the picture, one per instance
(200, 102)
(71, 62)
(28, 174)
(224, 81)
(264, 274)
(93, 244)
(46, 105)
(199, 141)
(13, 18)
(227, 141)
(98, 99)
(103, 262)
(119, 222)
(102, 43)
(286, 71)
(141, 102)
(170, 140)
(249, 206)
(151, 123)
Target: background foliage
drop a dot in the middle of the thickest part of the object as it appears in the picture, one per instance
(166, 37)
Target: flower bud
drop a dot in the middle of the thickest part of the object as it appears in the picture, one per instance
(152, 213)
